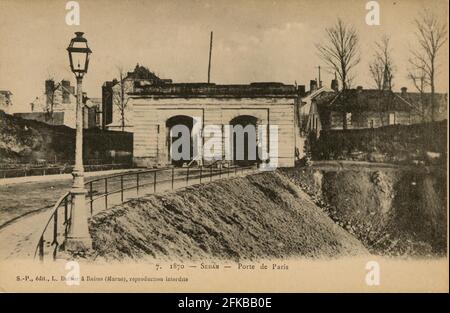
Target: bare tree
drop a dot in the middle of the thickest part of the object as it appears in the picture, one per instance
(382, 67)
(382, 70)
(419, 78)
(50, 97)
(341, 51)
(431, 35)
(119, 99)
(377, 73)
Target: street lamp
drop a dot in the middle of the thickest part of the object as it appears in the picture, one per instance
(78, 238)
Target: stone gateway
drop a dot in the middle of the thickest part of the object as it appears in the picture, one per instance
(157, 109)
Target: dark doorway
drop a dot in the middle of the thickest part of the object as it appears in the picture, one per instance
(247, 143)
(172, 137)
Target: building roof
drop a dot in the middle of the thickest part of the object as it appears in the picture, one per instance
(141, 76)
(68, 90)
(415, 97)
(141, 72)
(417, 100)
(186, 90)
(317, 92)
(6, 92)
(325, 97)
(94, 102)
(354, 100)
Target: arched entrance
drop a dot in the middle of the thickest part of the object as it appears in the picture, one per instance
(245, 140)
(180, 151)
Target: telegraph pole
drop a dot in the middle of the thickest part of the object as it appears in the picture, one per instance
(210, 52)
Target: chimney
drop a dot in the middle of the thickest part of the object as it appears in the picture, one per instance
(49, 89)
(65, 91)
(84, 98)
(335, 85)
(404, 91)
(312, 85)
(301, 90)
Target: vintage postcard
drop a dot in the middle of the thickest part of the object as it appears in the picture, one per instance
(224, 146)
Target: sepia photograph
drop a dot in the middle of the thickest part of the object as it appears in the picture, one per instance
(224, 146)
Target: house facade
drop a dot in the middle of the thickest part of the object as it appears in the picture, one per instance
(303, 112)
(360, 108)
(57, 106)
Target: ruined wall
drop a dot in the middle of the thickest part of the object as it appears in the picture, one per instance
(23, 141)
(57, 118)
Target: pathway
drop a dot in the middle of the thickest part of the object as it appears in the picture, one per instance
(18, 239)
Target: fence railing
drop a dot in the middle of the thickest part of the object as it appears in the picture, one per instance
(103, 193)
(57, 237)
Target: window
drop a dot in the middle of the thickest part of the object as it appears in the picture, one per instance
(391, 118)
(348, 118)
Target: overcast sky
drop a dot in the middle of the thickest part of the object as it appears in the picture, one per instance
(253, 40)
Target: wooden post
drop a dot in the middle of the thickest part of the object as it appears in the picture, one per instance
(121, 188)
(173, 176)
(187, 177)
(106, 193)
(65, 217)
(137, 184)
(41, 249)
(55, 226)
(90, 196)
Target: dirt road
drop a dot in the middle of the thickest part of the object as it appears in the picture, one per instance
(25, 208)
(21, 196)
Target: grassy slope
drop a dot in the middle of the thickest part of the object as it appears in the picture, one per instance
(254, 217)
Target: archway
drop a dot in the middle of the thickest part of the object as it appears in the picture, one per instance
(245, 140)
(180, 152)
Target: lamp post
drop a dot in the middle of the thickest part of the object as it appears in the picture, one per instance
(78, 238)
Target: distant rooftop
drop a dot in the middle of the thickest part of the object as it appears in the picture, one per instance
(360, 99)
